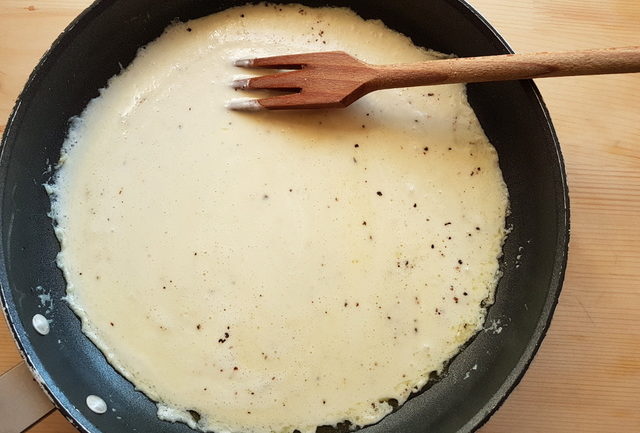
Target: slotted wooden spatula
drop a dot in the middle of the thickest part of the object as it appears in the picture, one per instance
(335, 79)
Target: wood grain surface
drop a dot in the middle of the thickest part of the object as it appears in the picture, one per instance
(586, 376)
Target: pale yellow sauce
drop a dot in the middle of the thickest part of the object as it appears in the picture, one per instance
(276, 271)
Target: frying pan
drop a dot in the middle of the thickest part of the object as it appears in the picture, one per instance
(103, 40)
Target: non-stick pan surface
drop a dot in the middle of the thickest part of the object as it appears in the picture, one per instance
(103, 40)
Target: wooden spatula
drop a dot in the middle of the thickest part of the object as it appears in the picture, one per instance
(335, 79)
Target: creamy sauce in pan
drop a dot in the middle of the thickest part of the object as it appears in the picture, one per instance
(267, 272)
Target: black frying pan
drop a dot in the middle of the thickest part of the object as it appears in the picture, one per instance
(105, 38)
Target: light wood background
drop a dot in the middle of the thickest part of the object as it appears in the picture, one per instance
(586, 377)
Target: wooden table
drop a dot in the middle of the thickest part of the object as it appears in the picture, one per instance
(586, 377)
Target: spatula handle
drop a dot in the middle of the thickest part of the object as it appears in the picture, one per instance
(510, 67)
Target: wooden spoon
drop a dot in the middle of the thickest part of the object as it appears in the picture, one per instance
(335, 79)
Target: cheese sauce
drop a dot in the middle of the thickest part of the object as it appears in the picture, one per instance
(266, 272)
